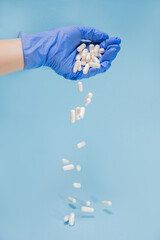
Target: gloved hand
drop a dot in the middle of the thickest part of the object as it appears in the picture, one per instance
(57, 49)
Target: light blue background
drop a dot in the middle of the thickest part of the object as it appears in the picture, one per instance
(121, 161)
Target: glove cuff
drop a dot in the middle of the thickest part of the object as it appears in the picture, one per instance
(34, 49)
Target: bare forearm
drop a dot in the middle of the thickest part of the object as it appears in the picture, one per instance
(11, 56)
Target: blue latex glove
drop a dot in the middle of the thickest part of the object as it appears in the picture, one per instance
(57, 49)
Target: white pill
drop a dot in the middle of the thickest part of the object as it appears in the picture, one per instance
(78, 168)
(79, 56)
(95, 59)
(66, 218)
(82, 112)
(65, 161)
(80, 86)
(101, 50)
(107, 203)
(88, 57)
(88, 203)
(71, 219)
(81, 144)
(96, 49)
(71, 199)
(84, 54)
(78, 113)
(91, 47)
(86, 68)
(76, 66)
(92, 52)
(81, 47)
(72, 116)
(87, 209)
(90, 95)
(68, 167)
(83, 63)
(99, 55)
(79, 67)
(76, 185)
(87, 101)
(94, 64)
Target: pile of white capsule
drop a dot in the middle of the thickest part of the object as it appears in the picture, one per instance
(88, 58)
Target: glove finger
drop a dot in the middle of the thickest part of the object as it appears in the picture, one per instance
(93, 34)
(109, 55)
(110, 41)
(116, 46)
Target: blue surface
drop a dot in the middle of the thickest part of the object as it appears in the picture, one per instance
(121, 127)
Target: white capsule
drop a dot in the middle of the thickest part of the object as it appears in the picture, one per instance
(87, 209)
(71, 199)
(78, 168)
(94, 64)
(92, 52)
(88, 57)
(72, 116)
(88, 203)
(71, 219)
(68, 167)
(99, 55)
(86, 68)
(81, 47)
(96, 49)
(95, 59)
(84, 54)
(107, 203)
(90, 95)
(66, 218)
(101, 50)
(81, 144)
(78, 113)
(80, 86)
(76, 65)
(76, 185)
(65, 161)
(91, 47)
(82, 112)
(79, 56)
(79, 67)
(87, 101)
(83, 63)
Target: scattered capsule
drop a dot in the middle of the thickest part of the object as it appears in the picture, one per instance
(91, 47)
(78, 113)
(68, 167)
(81, 144)
(88, 57)
(80, 86)
(90, 95)
(72, 116)
(76, 66)
(84, 54)
(65, 161)
(86, 68)
(76, 185)
(107, 203)
(88, 203)
(71, 199)
(66, 218)
(101, 50)
(78, 168)
(94, 64)
(87, 209)
(81, 47)
(82, 112)
(87, 101)
(71, 219)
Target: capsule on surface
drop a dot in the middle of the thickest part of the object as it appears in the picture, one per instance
(66, 218)
(76, 185)
(65, 161)
(78, 168)
(87, 101)
(71, 199)
(71, 219)
(80, 86)
(87, 209)
(82, 112)
(88, 203)
(107, 203)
